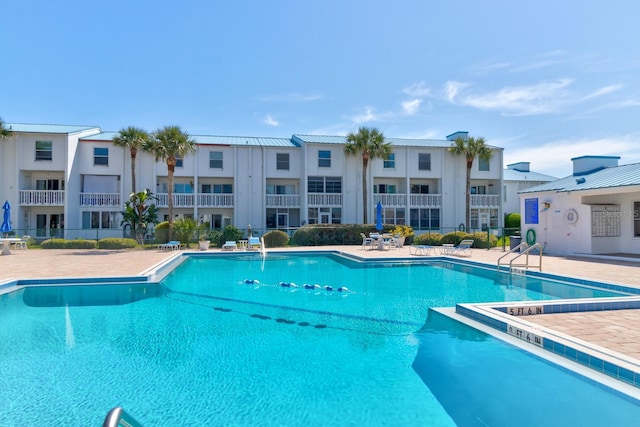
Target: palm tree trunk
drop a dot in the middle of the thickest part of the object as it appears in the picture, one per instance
(171, 170)
(134, 153)
(468, 199)
(365, 205)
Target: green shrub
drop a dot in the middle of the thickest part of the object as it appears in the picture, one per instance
(185, 230)
(229, 233)
(276, 239)
(429, 239)
(161, 232)
(455, 237)
(69, 244)
(480, 240)
(117, 243)
(53, 244)
(214, 236)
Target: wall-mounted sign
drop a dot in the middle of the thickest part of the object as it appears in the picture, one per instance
(531, 211)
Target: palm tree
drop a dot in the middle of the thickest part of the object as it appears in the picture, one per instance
(134, 139)
(167, 144)
(470, 148)
(370, 143)
(4, 132)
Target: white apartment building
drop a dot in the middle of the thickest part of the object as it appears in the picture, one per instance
(72, 181)
(518, 177)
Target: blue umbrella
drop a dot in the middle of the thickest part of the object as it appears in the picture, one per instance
(6, 218)
(379, 216)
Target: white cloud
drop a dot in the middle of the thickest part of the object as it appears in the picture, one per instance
(293, 97)
(411, 107)
(417, 90)
(540, 98)
(270, 121)
(554, 158)
(369, 115)
(603, 91)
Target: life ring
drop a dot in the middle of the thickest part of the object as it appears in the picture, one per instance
(531, 237)
(461, 227)
(571, 216)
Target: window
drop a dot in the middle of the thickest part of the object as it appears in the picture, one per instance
(44, 150)
(322, 184)
(483, 165)
(419, 189)
(384, 188)
(636, 219)
(424, 161)
(425, 219)
(324, 159)
(98, 219)
(178, 161)
(100, 156)
(182, 188)
(215, 159)
(222, 188)
(49, 184)
(390, 161)
(392, 216)
(282, 161)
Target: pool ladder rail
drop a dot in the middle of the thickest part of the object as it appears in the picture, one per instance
(118, 417)
(523, 249)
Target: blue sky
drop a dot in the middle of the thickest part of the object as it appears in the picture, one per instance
(545, 80)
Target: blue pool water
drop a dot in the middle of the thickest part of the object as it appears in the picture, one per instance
(208, 348)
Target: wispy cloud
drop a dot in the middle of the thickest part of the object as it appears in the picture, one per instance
(369, 115)
(539, 98)
(270, 121)
(554, 157)
(547, 59)
(603, 91)
(417, 90)
(411, 107)
(294, 97)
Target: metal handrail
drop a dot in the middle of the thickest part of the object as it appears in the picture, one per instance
(119, 417)
(518, 248)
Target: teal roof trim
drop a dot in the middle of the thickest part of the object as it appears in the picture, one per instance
(400, 142)
(215, 140)
(42, 128)
(102, 137)
(611, 177)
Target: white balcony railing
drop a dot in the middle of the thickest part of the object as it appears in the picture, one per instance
(41, 197)
(390, 200)
(425, 200)
(99, 199)
(485, 200)
(283, 200)
(180, 200)
(215, 200)
(324, 199)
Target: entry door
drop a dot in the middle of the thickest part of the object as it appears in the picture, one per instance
(325, 218)
(484, 220)
(41, 225)
(283, 220)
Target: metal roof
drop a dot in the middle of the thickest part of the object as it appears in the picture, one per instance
(214, 140)
(611, 177)
(404, 142)
(102, 136)
(40, 128)
(515, 175)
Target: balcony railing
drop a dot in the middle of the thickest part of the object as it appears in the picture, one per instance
(99, 199)
(425, 200)
(390, 200)
(215, 200)
(180, 200)
(485, 200)
(41, 197)
(415, 200)
(324, 199)
(283, 200)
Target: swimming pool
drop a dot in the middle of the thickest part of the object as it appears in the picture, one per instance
(222, 342)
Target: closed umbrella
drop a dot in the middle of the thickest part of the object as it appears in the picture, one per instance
(379, 216)
(6, 218)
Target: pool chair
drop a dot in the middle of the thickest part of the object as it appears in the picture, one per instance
(254, 244)
(422, 250)
(172, 245)
(22, 244)
(367, 242)
(229, 245)
(463, 249)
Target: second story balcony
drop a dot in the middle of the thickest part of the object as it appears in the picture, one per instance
(99, 199)
(485, 200)
(187, 200)
(283, 200)
(41, 197)
(215, 200)
(324, 199)
(415, 200)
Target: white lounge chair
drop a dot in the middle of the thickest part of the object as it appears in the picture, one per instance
(254, 244)
(229, 245)
(367, 242)
(172, 245)
(422, 250)
(463, 249)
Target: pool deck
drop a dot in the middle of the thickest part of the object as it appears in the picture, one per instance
(615, 330)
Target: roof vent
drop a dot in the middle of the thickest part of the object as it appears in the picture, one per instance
(581, 180)
(585, 165)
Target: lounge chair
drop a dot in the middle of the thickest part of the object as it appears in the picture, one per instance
(367, 242)
(172, 245)
(422, 250)
(463, 249)
(229, 245)
(22, 244)
(254, 244)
